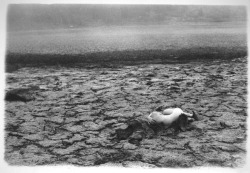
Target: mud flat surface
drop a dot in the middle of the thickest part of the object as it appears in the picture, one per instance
(74, 113)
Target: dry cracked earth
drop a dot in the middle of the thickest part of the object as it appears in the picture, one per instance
(72, 115)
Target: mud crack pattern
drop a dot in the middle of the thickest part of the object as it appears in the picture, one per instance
(75, 113)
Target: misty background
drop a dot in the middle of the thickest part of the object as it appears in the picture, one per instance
(24, 17)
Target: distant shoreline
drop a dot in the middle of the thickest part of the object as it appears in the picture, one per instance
(128, 57)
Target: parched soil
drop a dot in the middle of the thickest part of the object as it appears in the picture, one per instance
(77, 111)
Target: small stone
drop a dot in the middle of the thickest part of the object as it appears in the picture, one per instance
(223, 124)
(212, 119)
(174, 88)
(150, 75)
(128, 146)
(98, 88)
(137, 114)
(165, 75)
(50, 143)
(155, 80)
(132, 80)
(121, 126)
(229, 148)
(80, 93)
(175, 68)
(20, 94)
(136, 138)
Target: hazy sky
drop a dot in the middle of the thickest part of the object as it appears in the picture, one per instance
(30, 17)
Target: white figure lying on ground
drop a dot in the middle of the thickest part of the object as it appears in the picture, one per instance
(169, 116)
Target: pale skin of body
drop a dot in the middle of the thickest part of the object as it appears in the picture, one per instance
(168, 116)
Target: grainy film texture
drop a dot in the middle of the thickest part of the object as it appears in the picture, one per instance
(82, 80)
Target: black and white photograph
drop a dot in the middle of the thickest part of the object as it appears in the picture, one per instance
(125, 85)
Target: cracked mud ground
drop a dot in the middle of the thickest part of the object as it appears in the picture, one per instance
(76, 111)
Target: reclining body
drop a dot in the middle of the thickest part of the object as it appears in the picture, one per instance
(167, 117)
